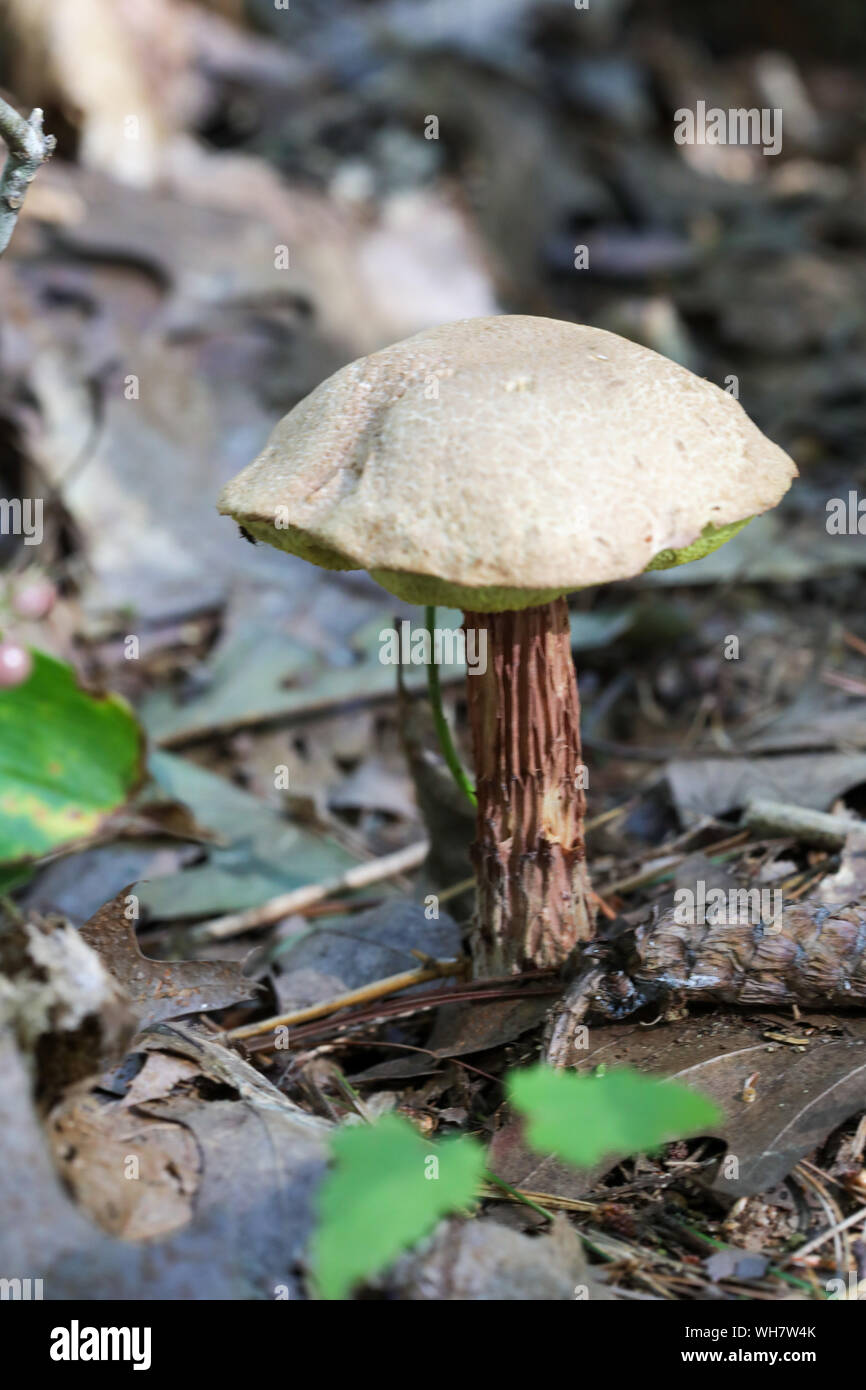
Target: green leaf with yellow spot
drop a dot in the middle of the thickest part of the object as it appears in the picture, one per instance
(68, 759)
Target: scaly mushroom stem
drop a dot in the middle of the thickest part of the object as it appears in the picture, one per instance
(534, 896)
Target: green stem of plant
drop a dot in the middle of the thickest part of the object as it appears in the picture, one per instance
(519, 1196)
(443, 733)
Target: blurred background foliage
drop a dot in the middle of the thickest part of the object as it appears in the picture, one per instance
(244, 198)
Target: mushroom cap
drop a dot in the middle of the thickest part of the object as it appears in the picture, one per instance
(499, 462)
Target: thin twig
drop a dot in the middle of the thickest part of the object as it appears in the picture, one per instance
(300, 899)
(409, 1006)
(424, 1051)
(841, 1245)
(829, 1234)
(446, 894)
(28, 149)
(435, 971)
(811, 827)
(664, 866)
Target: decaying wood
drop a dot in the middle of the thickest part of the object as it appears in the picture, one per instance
(534, 898)
(813, 955)
(810, 954)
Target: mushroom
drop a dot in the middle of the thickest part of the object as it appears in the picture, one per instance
(496, 465)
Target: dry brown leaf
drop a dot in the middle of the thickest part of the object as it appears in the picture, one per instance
(801, 1093)
(801, 1090)
(137, 1177)
(260, 1160)
(160, 989)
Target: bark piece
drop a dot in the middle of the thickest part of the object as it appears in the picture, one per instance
(810, 954)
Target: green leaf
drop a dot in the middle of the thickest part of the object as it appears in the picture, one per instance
(67, 760)
(387, 1189)
(585, 1118)
(13, 877)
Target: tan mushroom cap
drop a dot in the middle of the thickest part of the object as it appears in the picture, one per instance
(498, 462)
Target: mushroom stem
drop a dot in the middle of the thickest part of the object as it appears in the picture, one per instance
(534, 896)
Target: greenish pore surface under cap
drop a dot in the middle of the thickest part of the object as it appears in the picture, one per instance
(429, 589)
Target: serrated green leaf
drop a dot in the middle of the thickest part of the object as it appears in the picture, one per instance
(387, 1189)
(67, 760)
(582, 1119)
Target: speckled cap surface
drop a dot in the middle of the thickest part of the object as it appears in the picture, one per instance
(497, 462)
